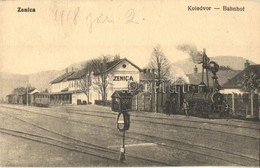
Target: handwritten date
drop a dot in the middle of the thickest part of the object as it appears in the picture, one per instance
(71, 16)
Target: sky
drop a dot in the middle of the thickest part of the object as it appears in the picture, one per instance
(61, 33)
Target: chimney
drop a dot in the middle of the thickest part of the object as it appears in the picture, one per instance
(67, 70)
(247, 64)
(72, 69)
(195, 69)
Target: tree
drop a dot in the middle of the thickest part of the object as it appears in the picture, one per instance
(160, 64)
(250, 83)
(86, 82)
(19, 90)
(100, 82)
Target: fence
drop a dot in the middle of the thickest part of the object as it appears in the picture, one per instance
(243, 105)
(147, 101)
(103, 103)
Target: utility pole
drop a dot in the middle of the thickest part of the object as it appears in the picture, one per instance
(27, 97)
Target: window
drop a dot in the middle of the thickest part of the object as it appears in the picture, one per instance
(124, 65)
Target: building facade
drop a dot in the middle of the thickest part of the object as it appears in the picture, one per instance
(83, 86)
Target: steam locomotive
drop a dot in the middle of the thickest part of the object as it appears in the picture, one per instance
(203, 100)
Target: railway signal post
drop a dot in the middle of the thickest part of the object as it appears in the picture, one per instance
(123, 124)
(122, 103)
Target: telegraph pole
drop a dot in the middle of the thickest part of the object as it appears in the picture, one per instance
(27, 97)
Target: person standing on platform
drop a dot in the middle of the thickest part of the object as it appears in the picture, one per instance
(226, 109)
(167, 106)
(172, 106)
(186, 107)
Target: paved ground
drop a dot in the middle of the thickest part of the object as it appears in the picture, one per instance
(87, 136)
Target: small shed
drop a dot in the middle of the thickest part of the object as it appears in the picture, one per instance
(122, 101)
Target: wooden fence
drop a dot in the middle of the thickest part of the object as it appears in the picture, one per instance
(244, 105)
(147, 101)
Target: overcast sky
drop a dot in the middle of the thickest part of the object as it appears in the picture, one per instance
(60, 33)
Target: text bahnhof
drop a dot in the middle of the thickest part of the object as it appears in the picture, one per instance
(209, 8)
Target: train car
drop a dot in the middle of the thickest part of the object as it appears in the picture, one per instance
(42, 100)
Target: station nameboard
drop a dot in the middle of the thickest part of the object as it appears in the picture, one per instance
(123, 78)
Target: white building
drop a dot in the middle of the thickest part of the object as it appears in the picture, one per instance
(85, 87)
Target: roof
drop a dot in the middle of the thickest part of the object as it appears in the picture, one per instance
(180, 81)
(30, 91)
(19, 91)
(237, 80)
(63, 77)
(77, 75)
(223, 77)
(122, 94)
(113, 64)
(33, 91)
(66, 92)
(59, 93)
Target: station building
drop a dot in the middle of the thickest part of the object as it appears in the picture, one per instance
(81, 87)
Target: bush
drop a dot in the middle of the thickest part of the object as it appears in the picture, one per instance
(103, 103)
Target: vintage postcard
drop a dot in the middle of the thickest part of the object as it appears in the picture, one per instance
(136, 83)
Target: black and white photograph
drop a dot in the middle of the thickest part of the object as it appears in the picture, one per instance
(129, 83)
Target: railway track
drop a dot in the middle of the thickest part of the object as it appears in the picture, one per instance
(67, 142)
(170, 141)
(254, 126)
(54, 142)
(170, 122)
(143, 118)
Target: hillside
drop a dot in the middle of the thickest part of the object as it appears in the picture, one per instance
(10, 81)
(39, 80)
(236, 63)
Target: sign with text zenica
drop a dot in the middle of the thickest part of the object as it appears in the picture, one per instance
(123, 78)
